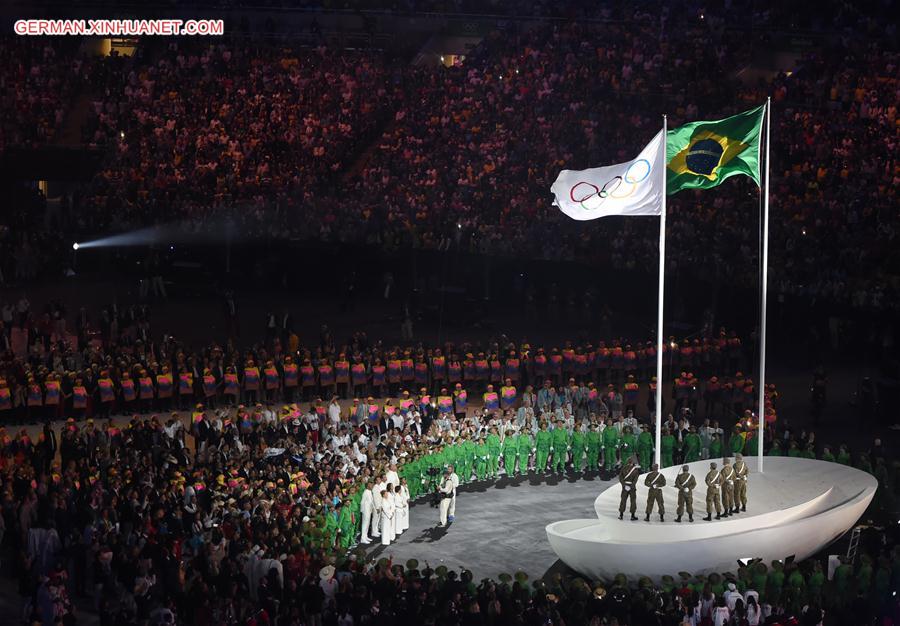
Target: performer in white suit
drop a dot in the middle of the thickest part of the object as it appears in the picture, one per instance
(377, 501)
(393, 496)
(366, 507)
(403, 500)
(391, 475)
(387, 517)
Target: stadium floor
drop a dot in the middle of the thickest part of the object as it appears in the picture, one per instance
(499, 527)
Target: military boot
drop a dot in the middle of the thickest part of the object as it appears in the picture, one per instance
(620, 515)
(718, 516)
(661, 518)
(744, 508)
(708, 518)
(678, 519)
(634, 517)
(690, 518)
(647, 519)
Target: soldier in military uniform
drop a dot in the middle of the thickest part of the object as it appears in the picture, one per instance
(741, 472)
(713, 484)
(656, 482)
(628, 477)
(727, 483)
(685, 484)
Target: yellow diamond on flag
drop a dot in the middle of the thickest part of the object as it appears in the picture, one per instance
(705, 154)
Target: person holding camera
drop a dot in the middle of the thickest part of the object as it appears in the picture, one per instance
(454, 478)
(447, 492)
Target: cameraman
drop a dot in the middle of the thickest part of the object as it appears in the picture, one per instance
(435, 478)
(454, 478)
(447, 493)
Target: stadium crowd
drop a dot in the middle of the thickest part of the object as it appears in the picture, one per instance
(248, 125)
(36, 87)
(395, 155)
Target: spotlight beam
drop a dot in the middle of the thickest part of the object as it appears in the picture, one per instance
(165, 234)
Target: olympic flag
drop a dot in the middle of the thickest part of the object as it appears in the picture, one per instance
(637, 187)
(633, 188)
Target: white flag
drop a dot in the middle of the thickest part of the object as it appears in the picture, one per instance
(632, 188)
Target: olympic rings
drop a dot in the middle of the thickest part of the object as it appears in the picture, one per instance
(618, 187)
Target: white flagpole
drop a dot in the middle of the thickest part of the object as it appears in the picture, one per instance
(659, 312)
(761, 416)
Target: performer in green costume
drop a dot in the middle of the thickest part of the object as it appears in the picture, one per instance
(543, 443)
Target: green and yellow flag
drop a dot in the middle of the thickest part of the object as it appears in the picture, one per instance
(701, 155)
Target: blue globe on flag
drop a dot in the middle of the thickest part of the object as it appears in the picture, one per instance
(703, 157)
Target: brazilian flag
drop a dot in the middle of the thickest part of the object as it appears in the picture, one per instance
(701, 155)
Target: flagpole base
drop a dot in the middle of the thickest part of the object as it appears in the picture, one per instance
(793, 510)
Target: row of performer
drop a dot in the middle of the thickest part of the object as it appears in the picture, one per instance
(384, 508)
(487, 455)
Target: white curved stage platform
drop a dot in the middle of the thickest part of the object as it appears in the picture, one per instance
(794, 509)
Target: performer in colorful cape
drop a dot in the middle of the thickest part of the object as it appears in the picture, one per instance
(507, 396)
(251, 382)
(460, 401)
(445, 402)
(272, 379)
(291, 374)
(491, 399)
(342, 375)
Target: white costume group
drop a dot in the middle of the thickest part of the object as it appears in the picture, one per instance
(385, 509)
